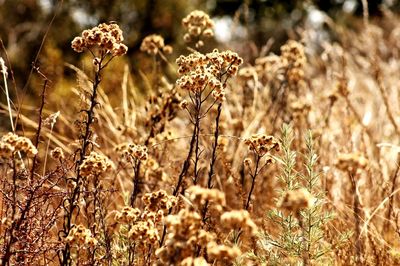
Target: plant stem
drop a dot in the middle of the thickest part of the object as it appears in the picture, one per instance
(253, 181)
(213, 159)
(66, 254)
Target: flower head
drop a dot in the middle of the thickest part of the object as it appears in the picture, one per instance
(105, 37)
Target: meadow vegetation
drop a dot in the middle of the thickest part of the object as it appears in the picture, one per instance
(287, 158)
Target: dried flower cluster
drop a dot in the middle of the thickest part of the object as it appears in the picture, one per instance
(294, 58)
(197, 24)
(239, 219)
(184, 234)
(132, 152)
(153, 44)
(142, 225)
(297, 200)
(262, 144)
(11, 143)
(145, 232)
(94, 165)
(268, 64)
(199, 71)
(351, 162)
(222, 252)
(105, 37)
(159, 200)
(127, 215)
(200, 195)
(81, 236)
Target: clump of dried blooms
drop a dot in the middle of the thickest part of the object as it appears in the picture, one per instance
(200, 195)
(144, 232)
(11, 143)
(297, 200)
(81, 236)
(105, 37)
(222, 252)
(268, 64)
(197, 24)
(94, 165)
(199, 71)
(153, 44)
(57, 154)
(141, 225)
(159, 200)
(262, 144)
(293, 56)
(127, 215)
(239, 219)
(185, 234)
(132, 152)
(351, 162)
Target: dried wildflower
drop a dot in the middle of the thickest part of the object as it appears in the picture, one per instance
(107, 38)
(200, 196)
(197, 24)
(127, 215)
(57, 154)
(144, 232)
(94, 165)
(293, 53)
(184, 235)
(159, 200)
(222, 252)
(351, 162)
(80, 236)
(10, 143)
(132, 152)
(142, 225)
(199, 71)
(239, 219)
(262, 144)
(293, 56)
(297, 200)
(153, 44)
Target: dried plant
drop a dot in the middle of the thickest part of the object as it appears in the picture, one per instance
(202, 161)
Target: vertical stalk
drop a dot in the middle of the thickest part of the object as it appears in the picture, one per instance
(213, 159)
(253, 181)
(70, 208)
(357, 221)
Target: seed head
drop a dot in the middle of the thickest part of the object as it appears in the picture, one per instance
(105, 37)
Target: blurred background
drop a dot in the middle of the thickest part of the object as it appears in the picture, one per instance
(245, 25)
